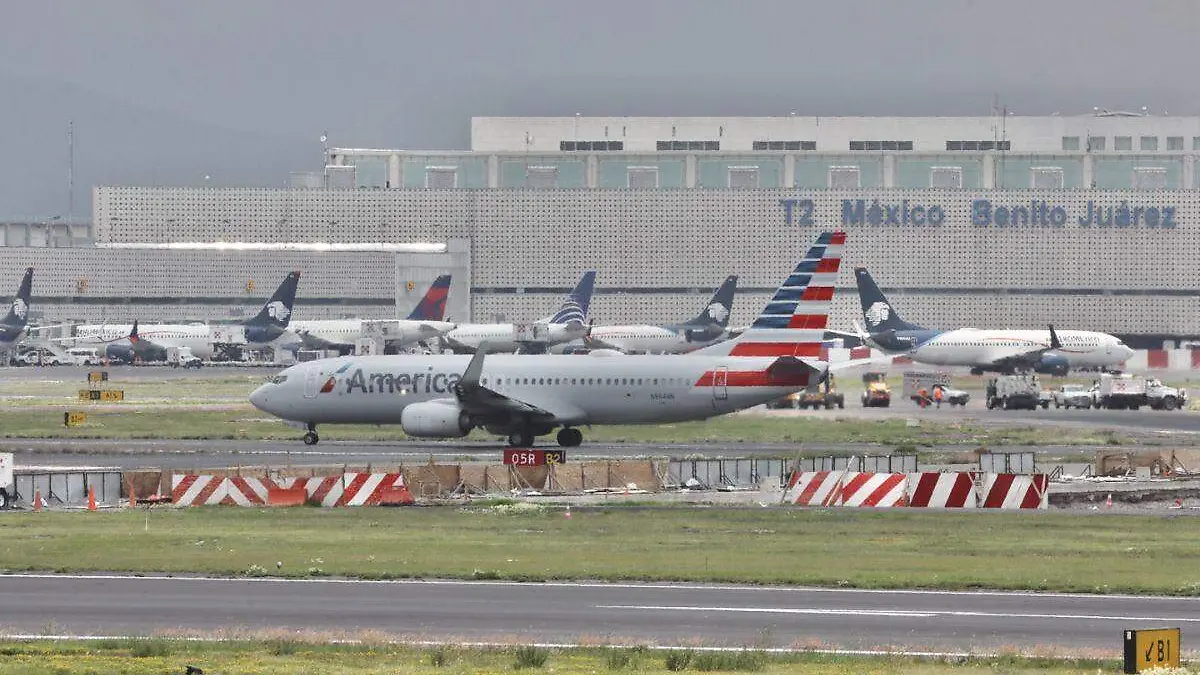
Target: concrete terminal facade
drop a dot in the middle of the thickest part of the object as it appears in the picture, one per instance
(1088, 221)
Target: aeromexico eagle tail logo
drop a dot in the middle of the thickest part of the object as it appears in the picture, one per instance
(278, 311)
(877, 313)
(19, 308)
(717, 312)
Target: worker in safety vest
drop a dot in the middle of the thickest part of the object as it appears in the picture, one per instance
(923, 397)
(937, 395)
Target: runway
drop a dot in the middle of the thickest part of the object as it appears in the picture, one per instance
(568, 613)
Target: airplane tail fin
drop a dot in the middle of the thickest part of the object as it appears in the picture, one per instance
(716, 312)
(877, 311)
(432, 307)
(18, 313)
(133, 333)
(278, 310)
(793, 322)
(575, 307)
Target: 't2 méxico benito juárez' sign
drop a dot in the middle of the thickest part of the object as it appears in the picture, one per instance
(986, 213)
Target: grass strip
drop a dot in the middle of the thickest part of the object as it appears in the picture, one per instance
(502, 540)
(287, 656)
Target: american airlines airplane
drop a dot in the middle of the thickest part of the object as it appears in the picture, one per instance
(13, 325)
(1006, 351)
(423, 323)
(707, 328)
(569, 323)
(523, 397)
(267, 329)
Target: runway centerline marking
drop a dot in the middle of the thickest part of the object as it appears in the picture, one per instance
(901, 613)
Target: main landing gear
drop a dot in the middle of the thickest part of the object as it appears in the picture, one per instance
(521, 439)
(310, 436)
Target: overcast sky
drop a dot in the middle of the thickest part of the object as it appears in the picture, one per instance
(164, 93)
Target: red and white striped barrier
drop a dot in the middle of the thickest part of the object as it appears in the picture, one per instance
(1014, 491)
(941, 490)
(879, 490)
(813, 488)
(351, 489)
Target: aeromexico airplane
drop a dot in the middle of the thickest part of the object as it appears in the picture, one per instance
(1006, 351)
(13, 325)
(267, 329)
(569, 323)
(705, 329)
(523, 397)
(423, 323)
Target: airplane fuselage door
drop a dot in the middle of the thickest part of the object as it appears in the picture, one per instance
(721, 383)
(312, 382)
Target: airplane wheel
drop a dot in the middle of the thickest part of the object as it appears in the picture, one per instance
(311, 438)
(570, 437)
(520, 439)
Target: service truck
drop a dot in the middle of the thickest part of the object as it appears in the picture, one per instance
(1130, 392)
(1017, 392)
(8, 488)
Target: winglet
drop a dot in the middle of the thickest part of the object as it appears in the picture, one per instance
(1054, 343)
(470, 376)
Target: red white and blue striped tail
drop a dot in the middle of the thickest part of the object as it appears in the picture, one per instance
(793, 323)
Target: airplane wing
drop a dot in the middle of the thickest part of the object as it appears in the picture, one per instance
(308, 341)
(488, 405)
(1030, 357)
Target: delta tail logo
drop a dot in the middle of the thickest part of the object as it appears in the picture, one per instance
(877, 313)
(278, 311)
(717, 312)
(19, 308)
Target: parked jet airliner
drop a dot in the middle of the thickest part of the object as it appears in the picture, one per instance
(523, 397)
(569, 323)
(708, 327)
(984, 350)
(423, 323)
(267, 329)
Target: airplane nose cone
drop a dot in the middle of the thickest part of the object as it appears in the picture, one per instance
(260, 398)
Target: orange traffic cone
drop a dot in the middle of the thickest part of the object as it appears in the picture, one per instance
(567, 515)
(91, 499)
(1108, 502)
(37, 500)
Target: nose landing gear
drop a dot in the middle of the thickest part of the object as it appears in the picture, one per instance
(310, 436)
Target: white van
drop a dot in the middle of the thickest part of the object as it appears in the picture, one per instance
(84, 356)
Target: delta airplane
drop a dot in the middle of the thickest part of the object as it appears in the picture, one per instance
(14, 324)
(267, 329)
(1003, 351)
(707, 328)
(423, 323)
(566, 325)
(523, 397)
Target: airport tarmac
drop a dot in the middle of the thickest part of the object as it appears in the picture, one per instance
(567, 613)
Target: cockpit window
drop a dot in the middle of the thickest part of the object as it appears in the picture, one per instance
(279, 379)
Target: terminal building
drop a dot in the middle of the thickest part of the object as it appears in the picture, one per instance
(1084, 221)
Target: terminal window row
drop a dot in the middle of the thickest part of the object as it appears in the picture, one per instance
(1125, 143)
(573, 146)
(979, 145)
(785, 145)
(881, 145)
(688, 145)
(839, 177)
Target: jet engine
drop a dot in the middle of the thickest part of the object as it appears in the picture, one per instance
(1052, 364)
(435, 419)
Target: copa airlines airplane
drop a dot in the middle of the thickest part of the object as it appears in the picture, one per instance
(566, 325)
(1050, 352)
(267, 329)
(707, 328)
(423, 323)
(523, 397)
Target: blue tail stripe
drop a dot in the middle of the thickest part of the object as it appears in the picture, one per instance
(815, 253)
(798, 280)
(807, 266)
(788, 294)
(825, 238)
(771, 322)
(787, 308)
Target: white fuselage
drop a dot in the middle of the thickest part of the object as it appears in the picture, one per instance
(503, 337)
(648, 339)
(976, 347)
(578, 390)
(196, 337)
(347, 331)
